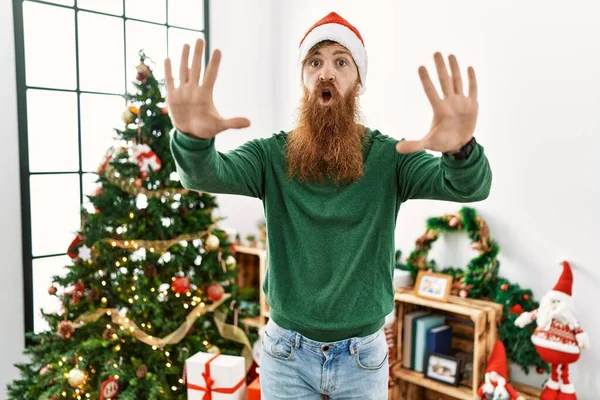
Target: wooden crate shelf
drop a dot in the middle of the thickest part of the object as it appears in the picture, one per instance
(485, 316)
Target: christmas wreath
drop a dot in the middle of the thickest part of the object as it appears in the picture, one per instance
(480, 279)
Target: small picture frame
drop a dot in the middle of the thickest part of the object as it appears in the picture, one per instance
(442, 368)
(433, 286)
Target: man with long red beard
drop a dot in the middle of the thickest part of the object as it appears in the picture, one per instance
(331, 190)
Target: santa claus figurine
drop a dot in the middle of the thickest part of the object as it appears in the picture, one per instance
(558, 337)
(496, 386)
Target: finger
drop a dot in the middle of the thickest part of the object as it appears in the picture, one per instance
(236, 123)
(210, 75)
(197, 62)
(430, 91)
(409, 146)
(169, 82)
(445, 81)
(456, 78)
(472, 84)
(183, 67)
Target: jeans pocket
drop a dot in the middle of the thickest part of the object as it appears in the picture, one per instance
(276, 347)
(373, 354)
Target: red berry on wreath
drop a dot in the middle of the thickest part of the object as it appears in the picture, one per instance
(525, 297)
(504, 287)
(215, 291)
(540, 370)
(181, 284)
(52, 290)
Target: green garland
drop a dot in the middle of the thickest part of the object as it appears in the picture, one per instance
(480, 279)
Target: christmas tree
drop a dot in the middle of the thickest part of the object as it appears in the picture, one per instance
(152, 278)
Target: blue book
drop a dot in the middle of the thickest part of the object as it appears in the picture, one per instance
(420, 329)
(439, 340)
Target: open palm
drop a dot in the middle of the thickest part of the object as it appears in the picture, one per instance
(190, 104)
(454, 116)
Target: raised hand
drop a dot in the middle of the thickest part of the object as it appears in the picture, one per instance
(454, 116)
(190, 104)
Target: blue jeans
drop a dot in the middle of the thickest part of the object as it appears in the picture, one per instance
(295, 367)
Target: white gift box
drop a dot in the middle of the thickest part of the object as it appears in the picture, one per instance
(225, 371)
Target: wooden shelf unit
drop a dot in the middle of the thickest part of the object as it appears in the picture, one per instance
(482, 315)
(485, 316)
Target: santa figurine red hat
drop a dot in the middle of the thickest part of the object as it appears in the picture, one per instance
(558, 338)
(496, 386)
(335, 28)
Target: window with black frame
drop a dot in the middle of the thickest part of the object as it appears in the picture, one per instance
(75, 61)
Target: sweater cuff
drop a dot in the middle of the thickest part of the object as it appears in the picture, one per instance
(190, 142)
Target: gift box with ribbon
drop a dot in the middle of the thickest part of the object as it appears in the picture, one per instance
(216, 377)
(254, 389)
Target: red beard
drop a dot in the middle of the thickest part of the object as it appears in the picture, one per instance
(327, 142)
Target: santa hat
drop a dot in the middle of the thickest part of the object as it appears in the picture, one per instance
(564, 287)
(497, 362)
(335, 28)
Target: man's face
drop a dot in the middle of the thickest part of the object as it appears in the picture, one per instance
(333, 65)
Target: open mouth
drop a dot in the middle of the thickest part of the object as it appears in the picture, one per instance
(326, 96)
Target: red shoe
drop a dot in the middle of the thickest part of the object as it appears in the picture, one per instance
(567, 392)
(551, 390)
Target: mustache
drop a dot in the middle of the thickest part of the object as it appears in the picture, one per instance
(326, 85)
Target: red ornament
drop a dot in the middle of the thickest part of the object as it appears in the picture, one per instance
(525, 297)
(215, 291)
(109, 389)
(504, 287)
(540, 370)
(516, 309)
(52, 290)
(181, 284)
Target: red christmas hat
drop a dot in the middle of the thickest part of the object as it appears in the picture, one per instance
(335, 28)
(497, 362)
(565, 282)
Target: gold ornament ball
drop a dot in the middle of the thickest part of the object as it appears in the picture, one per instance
(214, 350)
(212, 242)
(76, 377)
(231, 262)
(128, 117)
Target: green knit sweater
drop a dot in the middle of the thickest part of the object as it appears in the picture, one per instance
(330, 248)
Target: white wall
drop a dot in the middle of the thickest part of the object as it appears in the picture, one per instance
(11, 309)
(244, 31)
(537, 67)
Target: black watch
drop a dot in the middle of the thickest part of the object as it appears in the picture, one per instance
(464, 152)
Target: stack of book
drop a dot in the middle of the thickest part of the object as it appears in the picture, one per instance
(424, 332)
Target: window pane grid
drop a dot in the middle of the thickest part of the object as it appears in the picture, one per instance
(169, 21)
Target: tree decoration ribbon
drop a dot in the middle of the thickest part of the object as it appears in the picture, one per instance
(128, 185)
(173, 338)
(234, 333)
(156, 245)
(209, 389)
